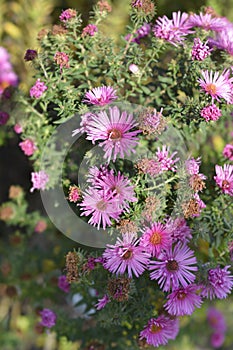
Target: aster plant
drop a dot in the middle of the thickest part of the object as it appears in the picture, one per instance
(140, 114)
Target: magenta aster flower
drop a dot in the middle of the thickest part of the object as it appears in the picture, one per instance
(207, 21)
(174, 268)
(228, 152)
(63, 284)
(193, 165)
(39, 180)
(18, 129)
(156, 238)
(38, 89)
(166, 162)
(217, 339)
(126, 256)
(159, 330)
(219, 283)
(100, 96)
(216, 320)
(179, 230)
(224, 178)
(183, 301)
(200, 50)
(90, 29)
(4, 116)
(28, 147)
(172, 30)
(217, 85)
(67, 15)
(97, 175)
(102, 302)
(48, 318)
(223, 40)
(114, 132)
(211, 112)
(100, 206)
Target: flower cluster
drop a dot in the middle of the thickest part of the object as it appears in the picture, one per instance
(7, 74)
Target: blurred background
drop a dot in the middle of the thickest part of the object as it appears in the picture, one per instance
(20, 23)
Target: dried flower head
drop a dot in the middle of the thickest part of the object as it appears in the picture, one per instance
(146, 6)
(58, 30)
(15, 192)
(6, 213)
(191, 208)
(72, 267)
(151, 121)
(127, 226)
(104, 6)
(196, 182)
(119, 288)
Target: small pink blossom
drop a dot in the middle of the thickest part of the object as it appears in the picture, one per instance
(102, 302)
(39, 180)
(28, 147)
(38, 89)
(228, 152)
(90, 29)
(18, 129)
(63, 284)
(165, 160)
(211, 112)
(133, 68)
(67, 15)
(200, 50)
(224, 178)
(40, 227)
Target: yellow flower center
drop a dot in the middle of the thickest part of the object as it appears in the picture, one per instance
(155, 238)
(115, 135)
(155, 329)
(211, 89)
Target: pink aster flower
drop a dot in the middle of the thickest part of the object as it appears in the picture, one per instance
(102, 302)
(166, 162)
(74, 194)
(28, 147)
(216, 320)
(126, 256)
(219, 283)
(63, 284)
(217, 85)
(7, 75)
(183, 301)
(38, 89)
(41, 226)
(228, 152)
(207, 21)
(172, 30)
(97, 174)
(85, 119)
(159, 330)
(156, 238)
(179, 230)
(217, 339)
(100, 96)
(48, 318)
(18, 129)
(211, 112)
(114, 131)
(90, 29)
(200, 50)
(100, 207)
(174, 268)
(67, 15)
(39, 180)
(224, 178)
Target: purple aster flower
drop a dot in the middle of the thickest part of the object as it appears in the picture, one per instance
(100, 206)
(156, 238)
(228, 152)
(224, 178)
(207, 21)
(172, 30)
(85, 119)
(216, 320)
(183, 301)
(38, 89)
(166, 162)
(48, 318)
(179, 230)
(211, 112)
(28, 147)
(200, 50)
(90, 30)
(223, 40)
(174, 268)
(159, 330)
(102, 302)
(4, 117)
(219, 283)
(114, 132)
(193, 165)
(63, 284)
(67, 15)
(142, 32)
(217, 339)
(217, 85)
(100, 96)
(97, 174)
(39, 180)
(126, 256)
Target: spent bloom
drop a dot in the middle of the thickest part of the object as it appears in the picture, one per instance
(62, 59)
(39, 180)
(30, 55)
(224, 178)
(200, 50)
(156, 238)
(211, 112)
(228, 152)
(183, 301)
(151, 121)
(38, 89)
(100, 96)
(114, 131)
(90, 29)
(67, 15)
(74, 194)
(219, 283)
(174, 267)
(28, 147)
(126, 256)
(63, 284)
(102, 302)
(159, 330)
(48, 318)
(217, 85)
